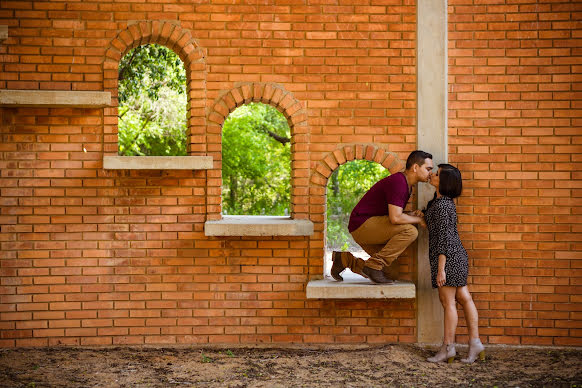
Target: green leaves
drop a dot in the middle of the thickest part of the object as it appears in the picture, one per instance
(149, 68)
(152, 103)
(256, 161)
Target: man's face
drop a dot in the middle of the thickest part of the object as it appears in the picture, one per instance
(423, 172)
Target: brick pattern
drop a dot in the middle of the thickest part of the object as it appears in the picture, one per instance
(514, 131)
(119, 257)
(296, 115)
(178, 39)
(404, 268)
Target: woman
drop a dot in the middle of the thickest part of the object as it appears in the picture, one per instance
(449, 264)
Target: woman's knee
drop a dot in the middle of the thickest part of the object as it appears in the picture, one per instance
(464, 296)
(447, 297)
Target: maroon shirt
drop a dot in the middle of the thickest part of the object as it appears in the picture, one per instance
(392, 190)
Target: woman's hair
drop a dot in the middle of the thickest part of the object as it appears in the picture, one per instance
(450, 181)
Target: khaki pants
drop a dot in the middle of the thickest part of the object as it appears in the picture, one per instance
(383, 241)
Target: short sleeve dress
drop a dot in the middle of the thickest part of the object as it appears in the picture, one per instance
(441, 219)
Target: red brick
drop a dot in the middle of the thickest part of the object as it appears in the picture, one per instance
(109, 254)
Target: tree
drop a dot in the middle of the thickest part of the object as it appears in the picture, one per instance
(346, 186)
(256, 161)
(152, 102)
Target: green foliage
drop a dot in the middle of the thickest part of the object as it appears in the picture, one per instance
(149, 68)
(152, 102)
(256, 161)
(346, 186)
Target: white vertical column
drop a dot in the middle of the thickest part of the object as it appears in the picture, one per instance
(432, 137)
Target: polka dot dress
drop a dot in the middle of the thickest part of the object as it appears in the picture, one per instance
(441, 218)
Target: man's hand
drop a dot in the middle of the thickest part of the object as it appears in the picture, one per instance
(422, 222)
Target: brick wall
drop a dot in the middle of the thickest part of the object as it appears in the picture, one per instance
(514, 131)
(90, 256)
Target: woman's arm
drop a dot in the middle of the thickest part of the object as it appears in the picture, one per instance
(443, 219)
(441, 275)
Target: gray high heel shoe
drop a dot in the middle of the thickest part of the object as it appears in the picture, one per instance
(476, 348)
(446, 352)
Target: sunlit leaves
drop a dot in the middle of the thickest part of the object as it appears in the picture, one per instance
(152, 103)
(256, 168)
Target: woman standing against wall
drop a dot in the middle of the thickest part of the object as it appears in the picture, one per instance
(449, 264)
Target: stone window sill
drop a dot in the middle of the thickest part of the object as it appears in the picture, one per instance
(359, 289)
(157, 162)
(258, 226)
(54, 98)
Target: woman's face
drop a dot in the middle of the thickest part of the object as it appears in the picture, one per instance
(434, 179)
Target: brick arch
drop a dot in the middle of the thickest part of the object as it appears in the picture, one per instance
(185, 46)
(296, 115)
(318, 187)
(326, 166)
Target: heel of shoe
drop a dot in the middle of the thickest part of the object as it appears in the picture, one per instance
(482, 355)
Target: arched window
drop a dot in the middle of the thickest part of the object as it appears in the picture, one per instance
(152, 103)
(345, 187)
(256, 162)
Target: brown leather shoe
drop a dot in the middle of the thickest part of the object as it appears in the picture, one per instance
(376, 276)
(337, 266)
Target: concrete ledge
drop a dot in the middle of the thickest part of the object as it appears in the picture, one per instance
(258, 226)
(157, 162)
(359, 289)
(54, 98)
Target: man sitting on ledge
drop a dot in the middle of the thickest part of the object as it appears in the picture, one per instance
(380, 226)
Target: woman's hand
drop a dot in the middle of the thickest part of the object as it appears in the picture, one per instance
(418, 213)
(441, 278)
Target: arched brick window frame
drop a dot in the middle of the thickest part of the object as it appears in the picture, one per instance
(182, 43)
(294, 112)
(320, 175)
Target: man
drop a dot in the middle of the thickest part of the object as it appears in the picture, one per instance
(380, 226)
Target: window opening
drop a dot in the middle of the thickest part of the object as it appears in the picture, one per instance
(345, 187)
(256, 162)
(152, 103)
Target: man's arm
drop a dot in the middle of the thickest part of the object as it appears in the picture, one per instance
(398, 217)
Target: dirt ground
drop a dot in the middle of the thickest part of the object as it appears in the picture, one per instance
(380, 366)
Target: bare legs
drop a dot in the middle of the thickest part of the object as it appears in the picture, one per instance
(449, 297)
(464, 297)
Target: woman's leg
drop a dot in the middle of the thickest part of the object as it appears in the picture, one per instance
(471, 316)
(447, 351)
(447, 297)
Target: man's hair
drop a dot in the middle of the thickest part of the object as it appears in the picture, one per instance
(450, 181)
(417, 157)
